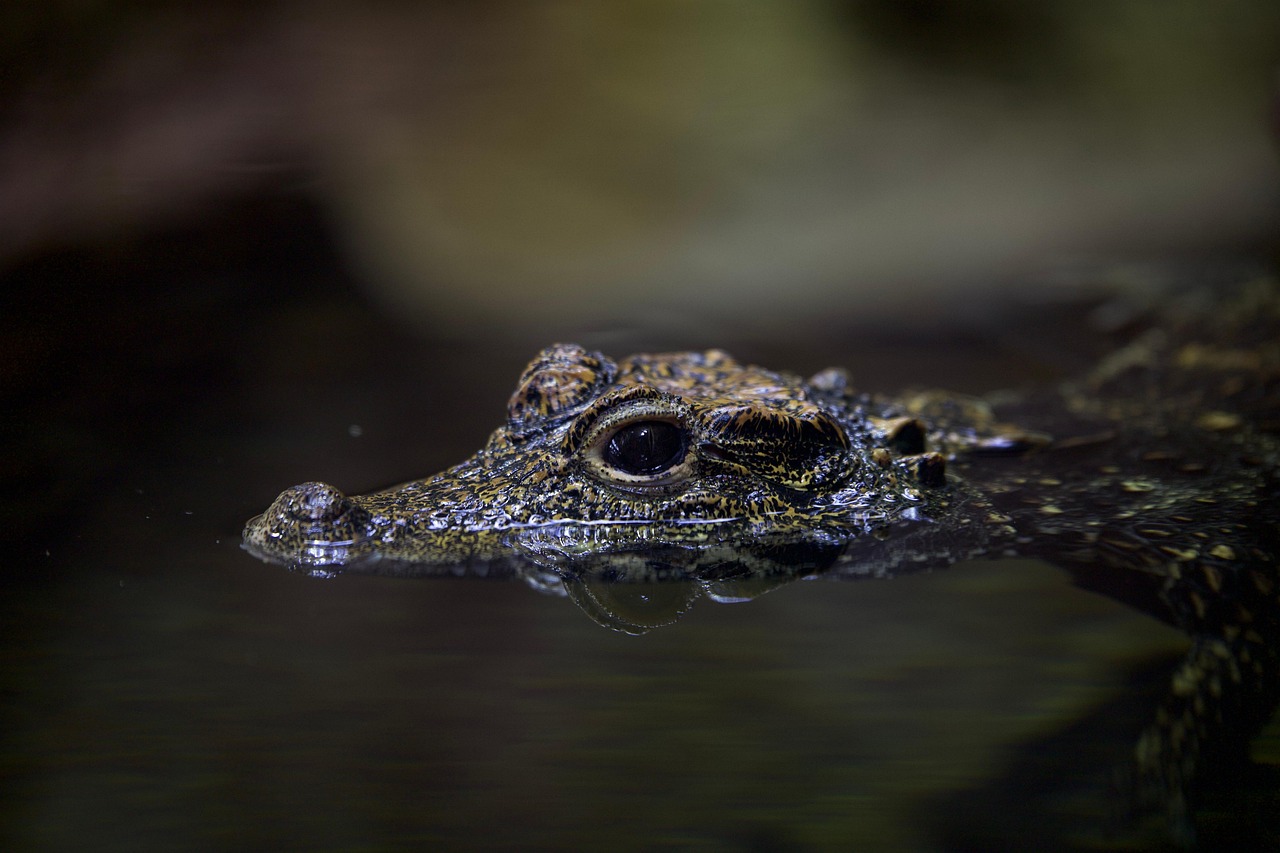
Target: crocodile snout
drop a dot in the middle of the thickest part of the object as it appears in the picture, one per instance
(308, 525)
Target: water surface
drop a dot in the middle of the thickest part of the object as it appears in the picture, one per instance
(163, 690)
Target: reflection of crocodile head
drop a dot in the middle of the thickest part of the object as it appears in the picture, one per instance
(689, 452)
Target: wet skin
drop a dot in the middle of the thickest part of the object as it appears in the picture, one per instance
(1154, 478)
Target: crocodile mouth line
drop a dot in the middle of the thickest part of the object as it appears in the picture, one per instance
(553, 523)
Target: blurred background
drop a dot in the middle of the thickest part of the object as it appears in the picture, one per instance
(249, 244)
(578, 167)
(197, 200)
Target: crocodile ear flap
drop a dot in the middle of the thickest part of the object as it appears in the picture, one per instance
(558, 382)
(798, 445)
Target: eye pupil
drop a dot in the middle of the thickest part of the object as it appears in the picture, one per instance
(646, 447)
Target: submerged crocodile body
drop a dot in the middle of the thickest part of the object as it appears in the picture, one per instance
(1155, 478)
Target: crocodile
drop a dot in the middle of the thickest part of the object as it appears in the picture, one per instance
(1154, 478)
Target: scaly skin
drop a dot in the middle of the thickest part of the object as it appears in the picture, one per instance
(771, 461)
(1155, 478)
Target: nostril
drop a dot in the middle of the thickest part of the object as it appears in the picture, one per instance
(312, 524)
(311, 502)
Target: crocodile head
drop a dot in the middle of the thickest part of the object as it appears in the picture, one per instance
(692, 452)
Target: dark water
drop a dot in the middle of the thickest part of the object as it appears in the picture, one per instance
(163, 690)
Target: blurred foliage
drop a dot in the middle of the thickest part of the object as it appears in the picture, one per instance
(583, 166)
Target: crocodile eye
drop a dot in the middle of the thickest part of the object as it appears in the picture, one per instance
(637, 438)
(645, 448)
